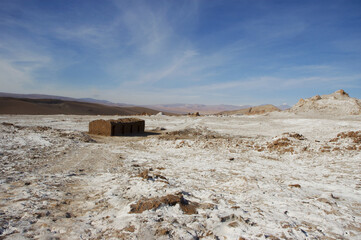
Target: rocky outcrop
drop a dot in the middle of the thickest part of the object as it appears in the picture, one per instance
(196, 114)
(253, 110)
(337, 103)
(169, 200)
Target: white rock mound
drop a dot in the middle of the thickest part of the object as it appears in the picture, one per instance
(337, 103)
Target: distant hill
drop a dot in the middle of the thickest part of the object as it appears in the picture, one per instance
(253, 110)
(178, 108)
(337, 103)
(56, 106)
(44, 96)
(191, 108)
(284, 107)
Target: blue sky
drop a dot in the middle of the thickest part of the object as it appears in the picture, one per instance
(210, 51)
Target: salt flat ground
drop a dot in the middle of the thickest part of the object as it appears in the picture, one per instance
(276, 176)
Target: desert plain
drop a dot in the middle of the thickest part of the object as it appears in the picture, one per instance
(278, 175)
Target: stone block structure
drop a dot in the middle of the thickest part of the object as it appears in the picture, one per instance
(120, 127)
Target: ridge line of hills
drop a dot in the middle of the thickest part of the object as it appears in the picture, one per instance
(29, 106)
(177, 108)
(337, 103)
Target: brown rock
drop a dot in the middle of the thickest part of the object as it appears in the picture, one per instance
(282, 145)
(155, 176)
(188, 207)
(170, 200)
(354, 135)
(162, 231)
(196, 114)
(297, 136)
(271, 237)
(342, 92)
(315, 98)
(233, 224)
(7, 124)
(130, 228)
(145, 175)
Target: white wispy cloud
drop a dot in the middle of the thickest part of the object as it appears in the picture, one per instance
(309, 68)
(169, 71)
(13, 79)
(84, 34)
(148, 30)
(18, 62)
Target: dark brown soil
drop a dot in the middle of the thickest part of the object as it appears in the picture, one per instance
(190, 133)
(281, 145)
(354, 135)
(168, 200)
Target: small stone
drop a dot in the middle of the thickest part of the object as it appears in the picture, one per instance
(162, 231)
(334, 197)
(67, 215)
(145, 175)
(233, 224)
(130, 228)
(228, 217)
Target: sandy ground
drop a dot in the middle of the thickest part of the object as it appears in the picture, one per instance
(277, 176)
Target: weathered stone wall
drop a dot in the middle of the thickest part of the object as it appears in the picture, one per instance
(120, 127)
(100, 127)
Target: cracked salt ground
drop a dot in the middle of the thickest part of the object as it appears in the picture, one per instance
(276, 176)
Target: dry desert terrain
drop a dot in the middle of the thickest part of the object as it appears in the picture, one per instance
(274, 176)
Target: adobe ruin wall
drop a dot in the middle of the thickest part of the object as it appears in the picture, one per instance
(120, 127)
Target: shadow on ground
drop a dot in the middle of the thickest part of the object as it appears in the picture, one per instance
(145, 134)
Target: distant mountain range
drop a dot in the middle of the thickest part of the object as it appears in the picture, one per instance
(44, 96)
(191, 108)
(203, 109)
(284, 107)
(178, 108)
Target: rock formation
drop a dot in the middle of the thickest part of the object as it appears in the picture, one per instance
(253, 110)
(337, 103)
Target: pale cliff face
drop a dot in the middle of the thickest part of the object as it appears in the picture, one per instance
(337, 103)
